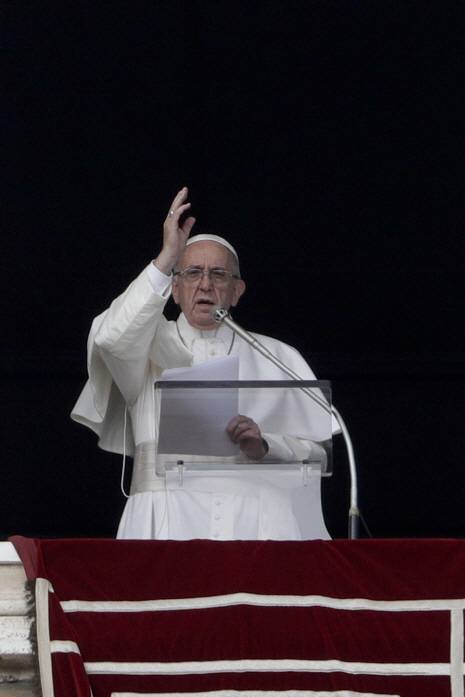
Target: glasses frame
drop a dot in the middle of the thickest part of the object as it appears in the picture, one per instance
(206, 273)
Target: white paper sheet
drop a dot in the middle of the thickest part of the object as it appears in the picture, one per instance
(193, 421)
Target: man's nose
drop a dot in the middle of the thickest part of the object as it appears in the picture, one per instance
(205, 282)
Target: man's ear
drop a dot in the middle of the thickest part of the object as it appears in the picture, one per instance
(239, 289)
(174, 291)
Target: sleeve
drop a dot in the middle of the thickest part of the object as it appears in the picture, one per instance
(290, 449)
(117, 357)
(127, 330)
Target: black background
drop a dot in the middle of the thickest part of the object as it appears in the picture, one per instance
(325, 140)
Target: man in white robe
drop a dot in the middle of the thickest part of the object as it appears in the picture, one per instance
(129, 347)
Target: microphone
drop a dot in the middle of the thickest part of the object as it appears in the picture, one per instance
(219, 314)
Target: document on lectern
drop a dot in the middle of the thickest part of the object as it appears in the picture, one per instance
(193, 421)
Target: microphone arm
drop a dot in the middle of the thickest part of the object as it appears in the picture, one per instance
(219, 314)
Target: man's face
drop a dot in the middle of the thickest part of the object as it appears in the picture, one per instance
(197, 300)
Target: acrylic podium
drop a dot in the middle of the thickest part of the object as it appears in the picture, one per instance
(195, 453)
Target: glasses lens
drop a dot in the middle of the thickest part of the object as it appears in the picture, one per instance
(193, 275)
(219, 278)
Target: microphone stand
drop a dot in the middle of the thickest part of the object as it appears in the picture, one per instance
(219, 314)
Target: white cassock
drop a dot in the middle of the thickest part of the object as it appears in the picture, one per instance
(129, 347)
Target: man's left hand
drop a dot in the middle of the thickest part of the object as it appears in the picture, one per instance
(244, 432)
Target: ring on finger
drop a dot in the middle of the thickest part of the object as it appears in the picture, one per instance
(170, 214)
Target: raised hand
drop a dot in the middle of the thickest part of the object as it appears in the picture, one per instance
(243, 431)
(175, 235)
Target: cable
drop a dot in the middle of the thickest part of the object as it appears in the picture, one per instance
(123, 469)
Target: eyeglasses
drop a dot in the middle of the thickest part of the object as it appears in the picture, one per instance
(218, 277)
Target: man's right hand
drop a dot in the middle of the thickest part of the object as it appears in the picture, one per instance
(243, 431)
(174, 235)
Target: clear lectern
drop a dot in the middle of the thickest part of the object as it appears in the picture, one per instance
(194, 452)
